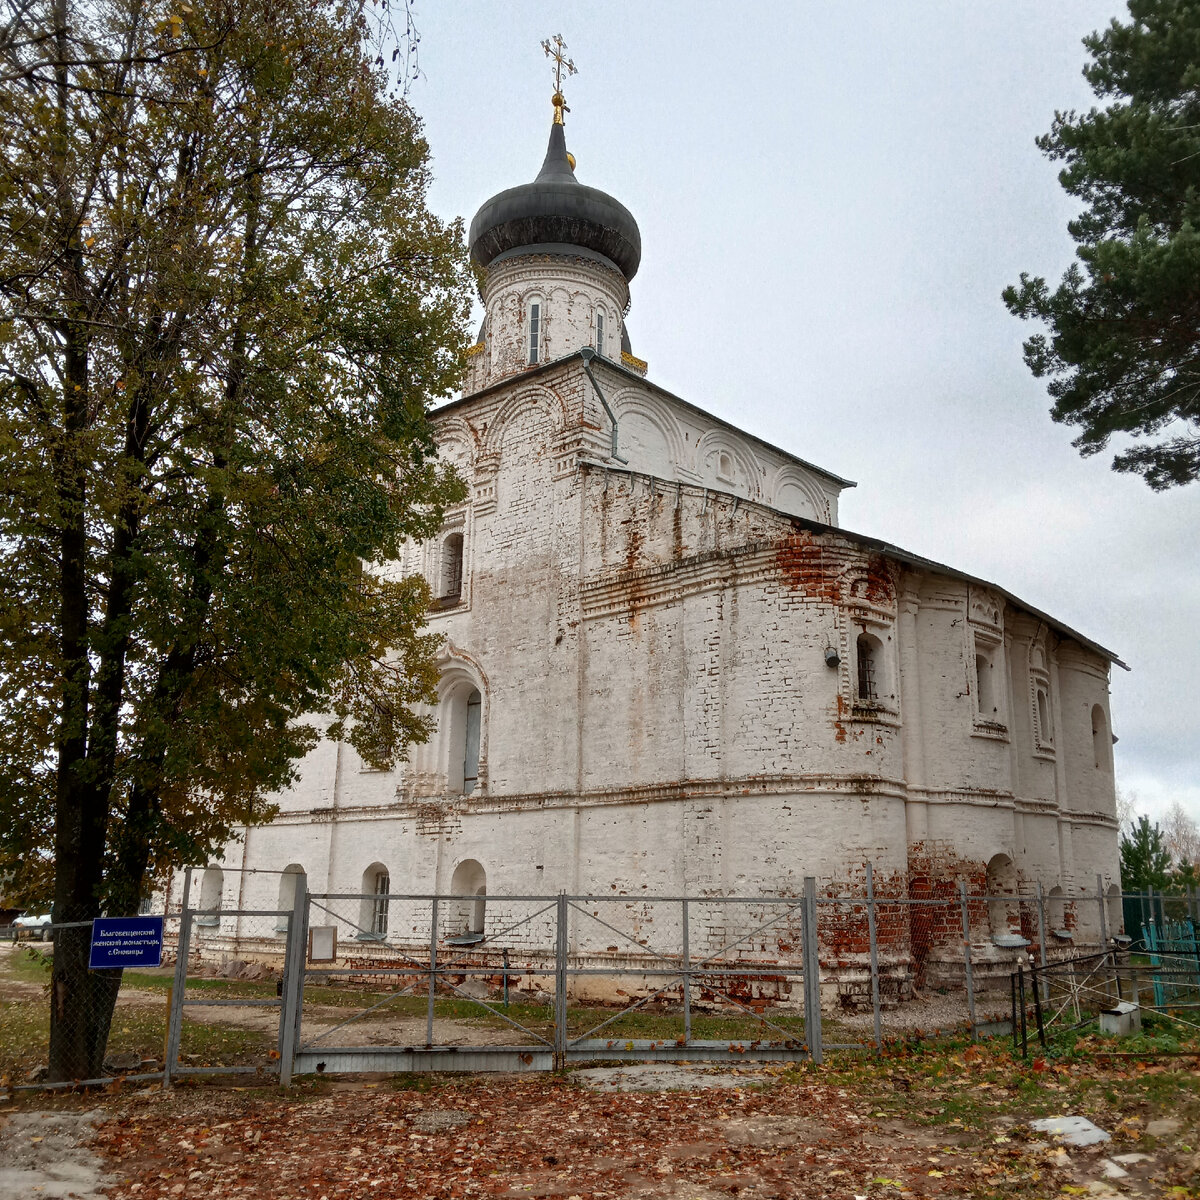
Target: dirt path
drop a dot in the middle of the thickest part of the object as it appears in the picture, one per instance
(320, 1026)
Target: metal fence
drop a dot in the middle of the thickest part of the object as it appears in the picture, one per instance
(471, 982)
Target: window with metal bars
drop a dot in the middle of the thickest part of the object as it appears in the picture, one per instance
(868, 692)
(379, 904)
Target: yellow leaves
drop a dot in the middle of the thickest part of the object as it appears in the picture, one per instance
(935, 1174)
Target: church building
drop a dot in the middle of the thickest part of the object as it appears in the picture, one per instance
(667, 669)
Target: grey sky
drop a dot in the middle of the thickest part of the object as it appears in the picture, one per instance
(831, 199)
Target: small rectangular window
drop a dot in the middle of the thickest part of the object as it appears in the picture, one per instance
(600, 334)
(535, 315)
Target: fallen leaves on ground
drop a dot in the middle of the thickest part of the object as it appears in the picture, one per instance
(542, 1137)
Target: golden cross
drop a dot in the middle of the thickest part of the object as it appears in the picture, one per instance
(554, 48)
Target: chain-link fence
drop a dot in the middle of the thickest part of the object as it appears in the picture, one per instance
(107, 1024)
(476, 981)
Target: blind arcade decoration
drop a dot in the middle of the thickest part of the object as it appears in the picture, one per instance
(126, 942)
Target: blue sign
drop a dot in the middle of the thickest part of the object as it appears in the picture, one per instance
(126, 942)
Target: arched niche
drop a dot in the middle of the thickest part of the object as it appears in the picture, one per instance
(791, 492)
(648, 434)
(212, 886)
(531, 408)
(727, 466)
(1003, 913)
(468, 911)
(291, 875)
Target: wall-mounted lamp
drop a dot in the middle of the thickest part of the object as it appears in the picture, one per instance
(832, 658)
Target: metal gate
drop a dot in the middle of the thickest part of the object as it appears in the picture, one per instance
(208, 937)
(531, 983)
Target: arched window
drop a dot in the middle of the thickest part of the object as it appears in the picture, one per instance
(535, 330)
(212, 883)
(373, 907)
(457, 765)
(725, 470)
(868, 651)
(471, 742)
(287, 893)
(1003, 915)
(469, 911)
(1101, 741)
(451, 576)
(600, 334)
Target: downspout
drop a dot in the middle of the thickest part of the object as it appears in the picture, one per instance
(587, 354)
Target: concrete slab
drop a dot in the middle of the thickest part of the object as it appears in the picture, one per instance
(662, 1077)
(1162, 1127)
(44, 1154)
(1075, 1131)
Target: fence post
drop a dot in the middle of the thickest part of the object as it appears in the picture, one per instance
(1194, 917)
(295, 956)
(1104, 947)
(966, 928)
(433, 938)
(1024, 1032)
(874, 957)
(560, 986)
(1044, 991)
(182, 949)
(812, 972)
(687, 974)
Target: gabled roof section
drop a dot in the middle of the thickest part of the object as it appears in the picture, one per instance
(627, 375)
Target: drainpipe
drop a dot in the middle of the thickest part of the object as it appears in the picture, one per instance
(587, 354)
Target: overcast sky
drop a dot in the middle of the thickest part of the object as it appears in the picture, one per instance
(831, 199)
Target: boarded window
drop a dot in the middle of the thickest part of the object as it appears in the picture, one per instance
(450, 583)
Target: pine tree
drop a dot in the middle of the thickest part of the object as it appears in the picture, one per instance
(1145, 859)
(1122, 351)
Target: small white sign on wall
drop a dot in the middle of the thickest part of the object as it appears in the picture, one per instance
(322, 943)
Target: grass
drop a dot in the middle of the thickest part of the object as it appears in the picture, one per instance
(139, 1024)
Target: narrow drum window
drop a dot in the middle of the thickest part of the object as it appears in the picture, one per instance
(600, 334)
(471, 757)
(535, 331)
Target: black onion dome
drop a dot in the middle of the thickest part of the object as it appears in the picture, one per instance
(557, 210)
